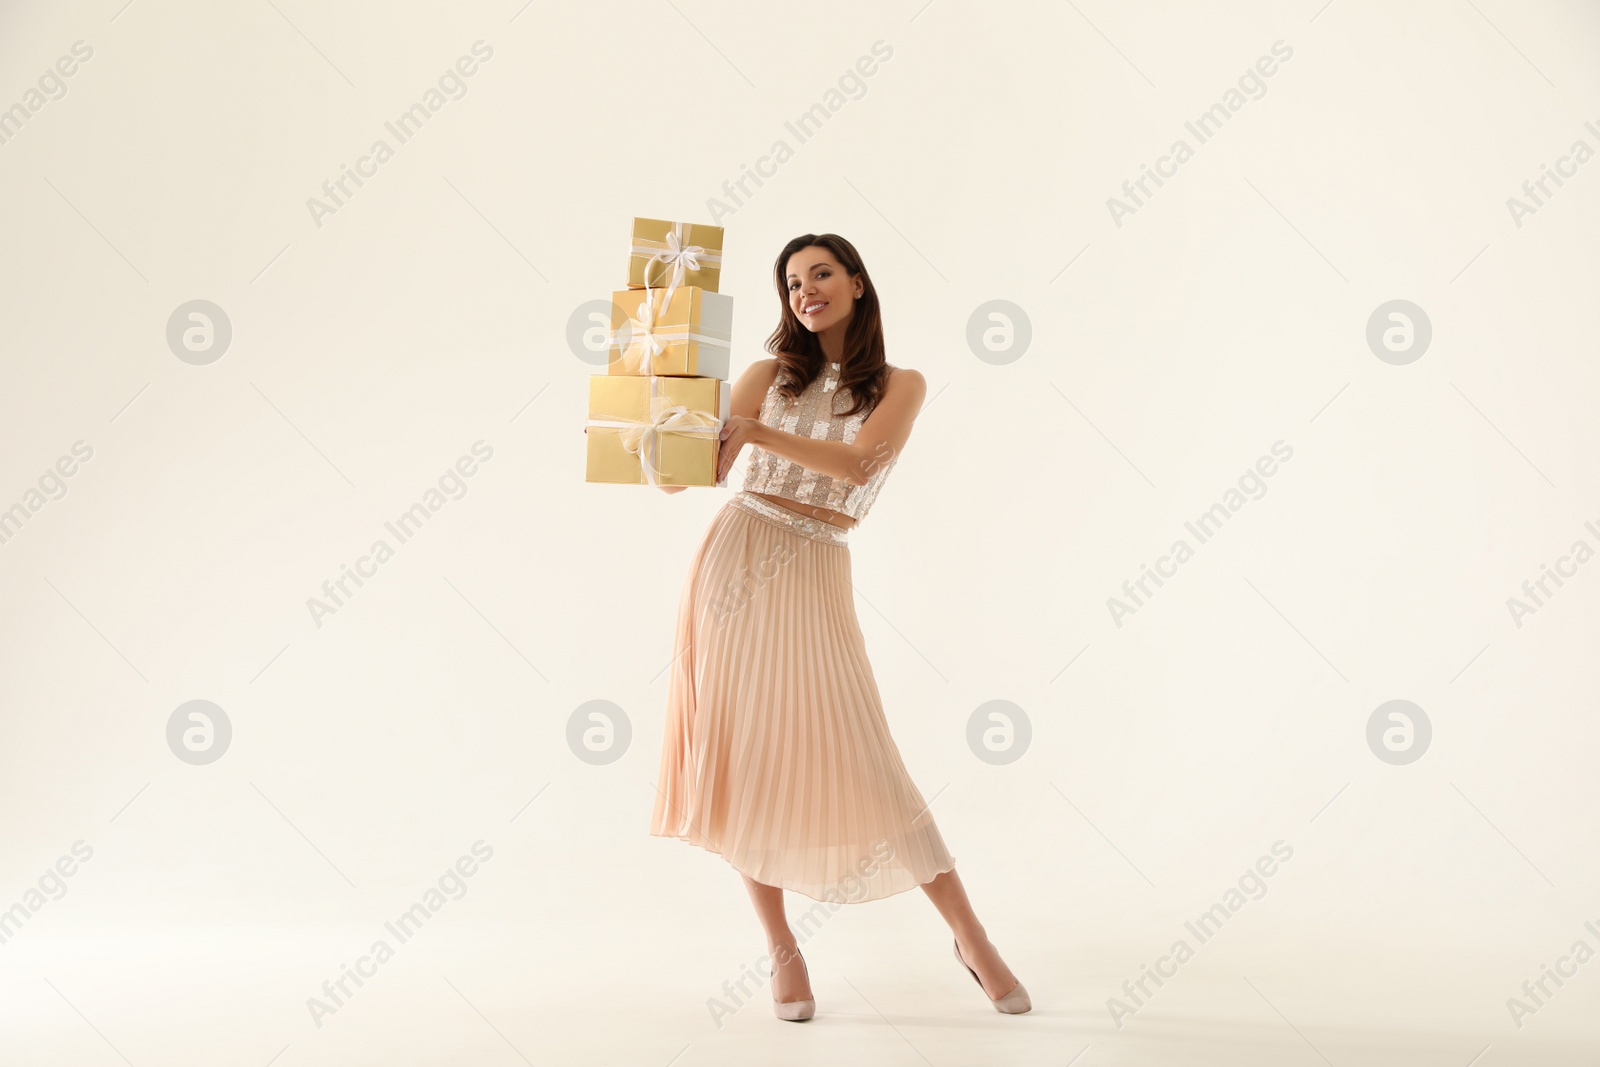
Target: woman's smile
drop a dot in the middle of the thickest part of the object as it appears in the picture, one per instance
(820, 293)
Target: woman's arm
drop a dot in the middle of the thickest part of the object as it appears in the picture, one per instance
(881, 438)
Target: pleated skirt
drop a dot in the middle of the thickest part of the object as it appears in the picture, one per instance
(775, 753)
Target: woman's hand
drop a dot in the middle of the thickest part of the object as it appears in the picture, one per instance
(737, 431)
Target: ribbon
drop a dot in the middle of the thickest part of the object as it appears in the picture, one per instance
(643, 331)
(676, 257)
(643, 436)
(644, 324)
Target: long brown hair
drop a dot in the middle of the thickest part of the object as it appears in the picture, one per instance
(863, 370)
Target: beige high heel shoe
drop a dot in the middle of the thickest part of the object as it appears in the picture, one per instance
(793, 1011)
(1015, 1002)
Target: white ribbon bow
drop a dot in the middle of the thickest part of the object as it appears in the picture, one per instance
(678, 258)
(642, 338)
(641, 330)
(643, 436)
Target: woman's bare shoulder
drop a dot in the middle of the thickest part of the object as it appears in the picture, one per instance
(764, 370)
(751, 390)
(908, 379)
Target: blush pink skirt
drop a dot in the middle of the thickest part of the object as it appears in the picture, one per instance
(775, 753)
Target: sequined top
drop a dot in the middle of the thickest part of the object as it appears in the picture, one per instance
(814, 414)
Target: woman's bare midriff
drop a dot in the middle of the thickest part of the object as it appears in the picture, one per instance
(831, 517)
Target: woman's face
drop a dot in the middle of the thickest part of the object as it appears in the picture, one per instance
(821, 293)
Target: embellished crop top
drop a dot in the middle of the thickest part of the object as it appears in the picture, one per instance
(814, 414)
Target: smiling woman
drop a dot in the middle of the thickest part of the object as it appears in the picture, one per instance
(809, 449)
(776, 751)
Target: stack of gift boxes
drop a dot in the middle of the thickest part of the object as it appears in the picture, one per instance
(656, 415)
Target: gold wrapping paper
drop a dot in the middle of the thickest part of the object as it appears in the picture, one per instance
(669, 432)
(663, 254)
(684, 332)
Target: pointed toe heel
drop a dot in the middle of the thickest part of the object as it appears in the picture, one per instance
(793, 1011)
(1015, 1002)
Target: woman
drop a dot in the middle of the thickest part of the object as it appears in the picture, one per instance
(776, 753)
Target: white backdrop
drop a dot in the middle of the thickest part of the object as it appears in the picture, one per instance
(1154, 345)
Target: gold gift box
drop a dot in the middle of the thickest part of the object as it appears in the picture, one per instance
(691, 332)
(653, 240)
(655, 445)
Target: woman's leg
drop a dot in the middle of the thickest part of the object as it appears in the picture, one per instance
(950, 897)
(790, 982)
